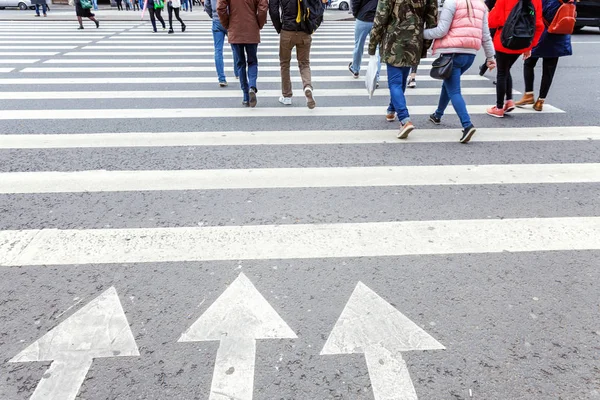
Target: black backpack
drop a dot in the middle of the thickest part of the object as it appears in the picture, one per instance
(310, 15)
(519, 29)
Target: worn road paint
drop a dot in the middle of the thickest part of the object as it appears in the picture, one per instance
(239, 317)
(370, 325)
(99, 329)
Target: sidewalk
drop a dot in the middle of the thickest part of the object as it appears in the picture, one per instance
(61, 12)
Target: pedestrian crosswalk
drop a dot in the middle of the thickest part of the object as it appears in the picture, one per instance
(107, 135)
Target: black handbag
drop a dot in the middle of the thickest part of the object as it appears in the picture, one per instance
(441, 68)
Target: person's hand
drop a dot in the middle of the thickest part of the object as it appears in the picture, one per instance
(491, 64)
(526, 55)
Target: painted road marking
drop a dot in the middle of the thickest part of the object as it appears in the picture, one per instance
(233, 138)
(174, 68)
(36, 47)
(5, 70)
(371, 326)
(99, 329)
(89, 114)
(302, 241)
(211, 94)
(18, 61)
(181, 61)
(238, 318)
(278, 178)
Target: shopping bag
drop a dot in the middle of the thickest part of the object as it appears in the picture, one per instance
(86, 4)
(371, 76)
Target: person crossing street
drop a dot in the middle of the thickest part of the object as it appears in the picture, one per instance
(243, 20)
(295, 32)
(364, 12)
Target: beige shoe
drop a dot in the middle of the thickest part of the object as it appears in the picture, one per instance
(527, 100)
(539, 105)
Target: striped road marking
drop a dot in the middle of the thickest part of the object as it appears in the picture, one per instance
(241, 112)
(181, 139)
(191, 79)
(278, 178)
(375, 239)
(233, 93)
(174, 68)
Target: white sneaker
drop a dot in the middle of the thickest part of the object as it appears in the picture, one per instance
(310, 100)
(286, 101)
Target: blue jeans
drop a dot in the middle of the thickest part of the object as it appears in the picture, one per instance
(43, 6)
(95, 4)
(451, 89)
(219, 34)
(362, 29)
(246, 55)
(397, 77)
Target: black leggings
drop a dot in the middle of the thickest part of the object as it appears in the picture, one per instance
(176, 9)
(504, 85)
(156, 12)
(548, 70)
(120, 5)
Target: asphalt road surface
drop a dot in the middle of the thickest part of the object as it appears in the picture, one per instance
(159, 241)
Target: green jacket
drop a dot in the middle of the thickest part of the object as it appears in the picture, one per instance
(398, 30)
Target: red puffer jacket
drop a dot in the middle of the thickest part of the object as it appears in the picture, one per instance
(500, 13)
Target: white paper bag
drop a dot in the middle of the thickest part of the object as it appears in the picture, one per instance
(371, 76)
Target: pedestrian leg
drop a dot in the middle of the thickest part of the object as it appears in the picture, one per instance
(80, 20)
(548, 71)
(170, 12)
(239, 49)
(303, 43)
(461, 64)
(285, 58)
(361, 31)
(151, 12)
(176, 10)
(37, 10)
(218, 39)
(251, 50)
(235, 63)
(397, 77)
(160, 18)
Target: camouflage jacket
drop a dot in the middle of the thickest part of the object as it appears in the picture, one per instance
(398, 30)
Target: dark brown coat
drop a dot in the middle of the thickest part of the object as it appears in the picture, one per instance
(243, 19)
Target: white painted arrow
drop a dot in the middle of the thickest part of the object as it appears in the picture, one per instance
(239, 317)
(99, 329)
(372, 326)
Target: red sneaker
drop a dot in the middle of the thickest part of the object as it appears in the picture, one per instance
(495, 112)
(509, 106)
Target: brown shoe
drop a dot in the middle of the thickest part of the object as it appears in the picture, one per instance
(527, 100)
(390, 117)
(539, 105)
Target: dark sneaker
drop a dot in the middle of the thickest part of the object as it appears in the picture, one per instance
(435, 119)
(97, 24)
(253, 99)
(468, 134)
(171, 31)
(223, 84)
(354, 74)
(80, 28)
(405, 130)
(183, 27)
(245, 103)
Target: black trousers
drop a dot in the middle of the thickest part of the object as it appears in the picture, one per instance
(548, 70)
(154, 15)
(120, 5)
(176, 10)
(504, 84)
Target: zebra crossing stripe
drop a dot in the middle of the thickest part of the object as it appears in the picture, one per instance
(279, 178)
(174, 139)
(375, 239)
(60, 114)
(231, 93)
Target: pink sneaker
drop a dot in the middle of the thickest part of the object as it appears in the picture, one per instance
(495, 112)
(509, 106)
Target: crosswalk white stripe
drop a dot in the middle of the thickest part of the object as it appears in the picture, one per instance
(5, 70)
(241, 112)
(193, 94)
(206, 61)
(174, 68)
(35, 47)
(179, 139)
(375, 239)
(191, 79)
(175, 46)
(18, 61)
(170, 53)
(204, 45)
(50, 42)
(50, 36)
(278, 178)
(29, 53)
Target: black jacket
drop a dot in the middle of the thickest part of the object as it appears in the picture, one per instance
(364, 9)
(283, 14)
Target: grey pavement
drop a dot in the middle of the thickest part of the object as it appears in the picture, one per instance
(515, 324)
